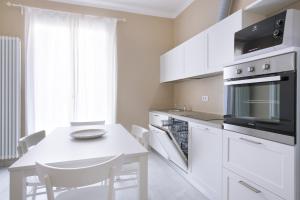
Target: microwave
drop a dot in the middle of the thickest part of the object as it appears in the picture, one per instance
(273, 33)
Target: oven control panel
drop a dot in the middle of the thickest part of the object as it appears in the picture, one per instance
(280, 63)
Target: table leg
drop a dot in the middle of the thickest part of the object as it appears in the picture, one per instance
(143, 177)
(17, 189)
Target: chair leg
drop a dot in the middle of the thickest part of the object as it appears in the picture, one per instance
(34, 190)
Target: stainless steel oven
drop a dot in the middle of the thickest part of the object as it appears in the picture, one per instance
(260, 98)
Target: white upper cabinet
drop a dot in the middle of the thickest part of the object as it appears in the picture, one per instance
(221, 39)
(196, 55)
(172, 65)
(206, 53)
(221, 42)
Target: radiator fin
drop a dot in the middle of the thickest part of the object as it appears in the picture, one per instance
(10, 91)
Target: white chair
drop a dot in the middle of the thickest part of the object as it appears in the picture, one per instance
(25, 143)
(128, 176)
(86, 123)
(81, 180)
(141, 135)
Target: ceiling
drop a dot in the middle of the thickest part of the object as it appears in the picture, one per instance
(160, 8)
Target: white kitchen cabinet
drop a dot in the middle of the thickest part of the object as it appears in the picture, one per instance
(207, 52)
(205, 159)
(238, 188)
(221, 39)
(196, 55)
(172, 65)
(265, 163)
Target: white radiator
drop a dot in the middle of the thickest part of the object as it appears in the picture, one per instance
(10, 91)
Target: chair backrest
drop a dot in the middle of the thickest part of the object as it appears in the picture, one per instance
(141, 134)
(87, 123)
(28, 141)
(79, 177)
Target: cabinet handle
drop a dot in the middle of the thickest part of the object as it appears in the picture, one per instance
(251, 141)
(202, 128)
(249, 187)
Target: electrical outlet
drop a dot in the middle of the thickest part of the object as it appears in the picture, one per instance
(204, 98)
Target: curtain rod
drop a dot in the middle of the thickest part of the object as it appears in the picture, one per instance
(10, 4)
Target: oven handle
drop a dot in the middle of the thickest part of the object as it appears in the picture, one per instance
(254, 80)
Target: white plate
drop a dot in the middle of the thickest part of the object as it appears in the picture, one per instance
(88, 133)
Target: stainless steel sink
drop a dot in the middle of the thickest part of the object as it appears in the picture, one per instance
(175, 110)
(184, 115)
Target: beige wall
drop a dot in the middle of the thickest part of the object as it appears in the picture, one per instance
(200, 15)
(141, 40)
(190, 92)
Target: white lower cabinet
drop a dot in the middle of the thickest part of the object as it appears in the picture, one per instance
(265, 163)
(237, 188)
(205, 159)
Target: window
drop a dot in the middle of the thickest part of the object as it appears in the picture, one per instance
(70, 69)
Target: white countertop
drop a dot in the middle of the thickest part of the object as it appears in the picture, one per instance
(213, 120)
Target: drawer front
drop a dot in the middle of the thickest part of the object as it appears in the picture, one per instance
(266, 163)
(238, 188)
(156, 119)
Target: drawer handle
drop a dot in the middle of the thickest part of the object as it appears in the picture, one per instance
(251, 141)
(249, 187)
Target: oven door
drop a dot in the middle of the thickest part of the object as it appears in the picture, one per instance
(266, 103)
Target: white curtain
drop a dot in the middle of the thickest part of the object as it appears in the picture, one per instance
(70, 69)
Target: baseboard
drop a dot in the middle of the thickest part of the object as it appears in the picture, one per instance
(7, 163)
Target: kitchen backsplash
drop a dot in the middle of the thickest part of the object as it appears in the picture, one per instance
(190, 93)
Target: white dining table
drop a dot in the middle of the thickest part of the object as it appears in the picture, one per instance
(58, 148)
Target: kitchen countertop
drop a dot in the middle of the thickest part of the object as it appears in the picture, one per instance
(208, 119)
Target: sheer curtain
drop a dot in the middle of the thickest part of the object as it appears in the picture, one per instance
(70, 69)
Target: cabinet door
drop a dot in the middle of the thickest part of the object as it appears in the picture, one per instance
(238, 188)
(221, 42)
(163, 68)
(172, 64)
(206, 158)
(196, 55)
(266, 163)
